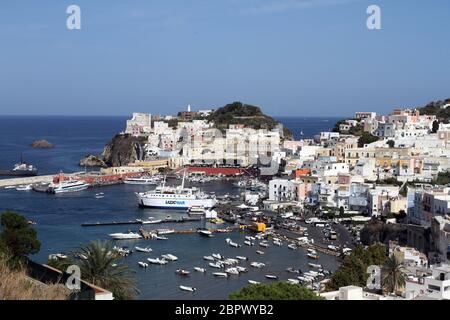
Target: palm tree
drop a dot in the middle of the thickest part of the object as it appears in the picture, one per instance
(101, 267)
(393, 277)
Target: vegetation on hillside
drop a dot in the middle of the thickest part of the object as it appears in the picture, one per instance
(434, 108)
(274, 291)
(248, 115)
(366, 138)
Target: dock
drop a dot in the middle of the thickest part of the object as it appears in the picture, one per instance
(149, 234)
(129, 222)
(12, 182)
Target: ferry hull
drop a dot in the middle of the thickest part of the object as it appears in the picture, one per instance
(176, 204)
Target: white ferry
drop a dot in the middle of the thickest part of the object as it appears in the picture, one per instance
(68, 186)
(175, 197)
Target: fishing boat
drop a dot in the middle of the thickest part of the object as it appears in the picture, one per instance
(220, 274)
(198, 269)
(143, 264)
(125, 236)
(209, 258)
(257, 264)
(169, 257)
(157, 261)
(205, 233)
(215, 265)
(270, 276)
(253, 282)
(182, 272)
(176, 197)
(190, 289)
(241, 258)
(146, 250)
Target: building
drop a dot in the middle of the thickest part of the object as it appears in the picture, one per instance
(140, 124)
(434, 286)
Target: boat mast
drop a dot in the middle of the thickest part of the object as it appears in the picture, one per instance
(184, 176)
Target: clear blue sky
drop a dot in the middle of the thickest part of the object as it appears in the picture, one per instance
(291, 57)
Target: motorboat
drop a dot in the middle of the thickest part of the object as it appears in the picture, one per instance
(165, 231)
(157, 261)
(143, 264)
(27, 187)
(253, 282)
(264, 244)
(314, 256)
(196, 211)
(233, 271)
(151, 221)
(278, 243)
(169, 257)
(241, 269)
(242, 258)
(205, 233)
(293, 281)
(314, 265)
(259, 252)
(215, 265)
(125, 236)
(161, 238)
(257, 264)
(198, 269)
(248, 243)
(144, 180)
(292, 246)
(270, 276)
(146, 250)
(208, 258)
(220, 274)
(190, 289)
(217, 256)
(292, 270)
(182, 272)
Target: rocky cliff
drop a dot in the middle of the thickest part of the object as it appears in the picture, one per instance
(123, 149)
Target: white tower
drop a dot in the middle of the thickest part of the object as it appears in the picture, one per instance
(189, 108)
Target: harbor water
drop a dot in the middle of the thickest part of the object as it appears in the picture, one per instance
(59, 217)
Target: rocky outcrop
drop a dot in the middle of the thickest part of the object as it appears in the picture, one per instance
(41, 144)
(92, 161)
(377, 231)
(122, 150)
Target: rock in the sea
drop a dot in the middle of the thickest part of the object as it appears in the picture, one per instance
(123, 149)
(92, 161)
(41, 144)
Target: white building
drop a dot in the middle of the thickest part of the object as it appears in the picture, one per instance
(139, 124)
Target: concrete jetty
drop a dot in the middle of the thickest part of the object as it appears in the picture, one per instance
(25, 180)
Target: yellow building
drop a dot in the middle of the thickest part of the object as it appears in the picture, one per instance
(258, 226)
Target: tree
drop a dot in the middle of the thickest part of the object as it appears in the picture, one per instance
(391, 143)
(341, 211)
(366, 138)
(353, 270)
(393, 277)
(435, 127)
(274, 291)
(102, 268)
(17, 237)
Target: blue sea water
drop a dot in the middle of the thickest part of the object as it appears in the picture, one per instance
(59, 217)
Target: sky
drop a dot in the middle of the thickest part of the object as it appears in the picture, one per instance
(290, 57)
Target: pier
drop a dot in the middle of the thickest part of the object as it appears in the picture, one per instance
(25, 181)
(117, 223)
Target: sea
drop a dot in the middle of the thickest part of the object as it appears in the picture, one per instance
(59, 217)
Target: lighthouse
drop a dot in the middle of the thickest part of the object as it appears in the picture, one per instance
(189, 108)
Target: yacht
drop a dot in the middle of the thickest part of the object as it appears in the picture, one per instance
(175, 197)
(67, 186)
(125, 236)
(144, 180)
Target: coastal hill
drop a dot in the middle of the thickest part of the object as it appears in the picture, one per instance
(438, 109)
(246, 114)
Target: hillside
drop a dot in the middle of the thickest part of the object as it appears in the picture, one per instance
(435, 108)
(248, 115)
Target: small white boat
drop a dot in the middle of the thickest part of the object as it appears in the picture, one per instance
(205, 233)
(25, 188)
(169, 257)
(253, 282)
(141, 181)
(143, 264)
(292, 270)
(234, 271)
(198, 269)
(161, 238)
(314, 265)
(215, 265)
(220, 274)
(264, 244)
(292, 246)
(293, 281)
(190, 289)
(278, 243)
(208, 258)
(241, 269)
(313, 256)
(165, 231)
(248, 243)
(270, 276)
(146, 250)
(312, 251)
(217, 256)
(157, 261)
(10, 187)
(241, 258)
(151, 221)
(182, 272)
(257, 264)
(125, 236)
(259, 252)
(234, 244)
